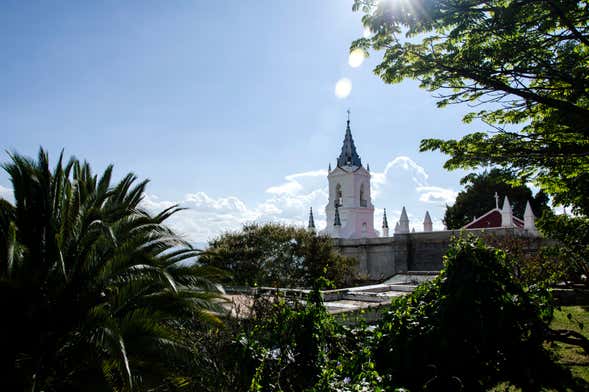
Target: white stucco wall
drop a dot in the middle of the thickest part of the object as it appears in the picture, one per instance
(353, 216)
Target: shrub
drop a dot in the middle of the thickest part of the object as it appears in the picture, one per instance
(473, 326)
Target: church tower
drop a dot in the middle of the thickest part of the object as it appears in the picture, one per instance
(349, 195)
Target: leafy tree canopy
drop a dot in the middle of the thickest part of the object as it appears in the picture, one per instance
(572, 248)
(477, 197)
(277, 255)
(526, 61)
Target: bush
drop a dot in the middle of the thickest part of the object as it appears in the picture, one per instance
(281, 346)
(474, 326)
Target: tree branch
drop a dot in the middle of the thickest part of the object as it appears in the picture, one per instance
(567, 22)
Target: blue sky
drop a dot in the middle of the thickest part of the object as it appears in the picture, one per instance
(228, 107)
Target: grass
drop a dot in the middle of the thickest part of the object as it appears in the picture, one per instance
(575, 318)
(569, 356)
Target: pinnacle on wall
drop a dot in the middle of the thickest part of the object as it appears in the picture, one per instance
(311, 225)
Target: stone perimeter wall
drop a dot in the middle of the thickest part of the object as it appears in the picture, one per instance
(381, 258)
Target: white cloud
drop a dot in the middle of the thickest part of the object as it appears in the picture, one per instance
(291, 200)
(200, 201)
(400, 170)
(437, 195)
(6, 193)
(296, 183)
(403, 182)
(288, 203)
(205, 217)
(288, 187)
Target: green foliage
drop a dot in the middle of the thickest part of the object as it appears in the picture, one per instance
(474, 326)
(571, 249)
(284, 345)
(477, 197)
(525, 61)
(294, 344)
(92, 287)
(533, 262)
(278, 256)
(281, 345)
(353, 369)
(300, 347)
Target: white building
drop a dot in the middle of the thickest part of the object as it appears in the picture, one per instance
(350, 213)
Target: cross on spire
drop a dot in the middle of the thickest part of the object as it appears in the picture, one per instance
(496, 200)
(348, 114)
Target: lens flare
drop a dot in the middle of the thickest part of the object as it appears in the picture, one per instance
(356, 58)
(343, 88)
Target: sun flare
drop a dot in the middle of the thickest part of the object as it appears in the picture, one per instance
(356, 58)
(343, 88)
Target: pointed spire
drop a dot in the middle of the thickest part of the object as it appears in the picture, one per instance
(396, 227)
(529, 218)
(329, 168)
(506, 214)
(413, 230)
(349, 156)
(427, 222)
(385, 223)
(506, 205)
(403, 222)
(337, 221)
(368, 166)
(311, 225)
(403, 215)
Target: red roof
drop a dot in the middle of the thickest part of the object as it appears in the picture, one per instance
(491, 219)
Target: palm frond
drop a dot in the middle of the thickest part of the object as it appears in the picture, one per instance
(95, 281)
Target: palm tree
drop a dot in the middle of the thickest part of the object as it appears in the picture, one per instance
(94, 290)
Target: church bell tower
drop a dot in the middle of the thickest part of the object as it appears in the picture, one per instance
(349, 195)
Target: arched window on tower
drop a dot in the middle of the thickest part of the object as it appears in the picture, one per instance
(338, 195)
(363, 202)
